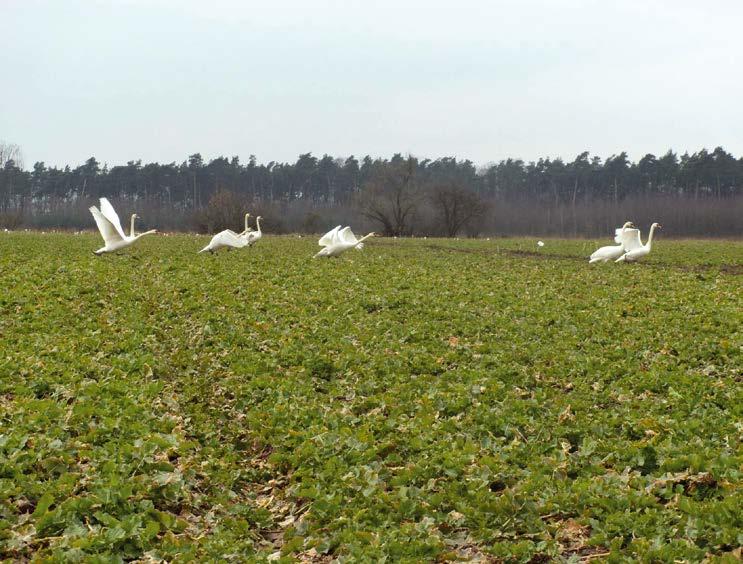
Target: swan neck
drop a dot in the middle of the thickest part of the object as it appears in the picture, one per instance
(258, 224)
(150, 232)
(131, 230)
(365, 237)
(247, 215)
(649, 244)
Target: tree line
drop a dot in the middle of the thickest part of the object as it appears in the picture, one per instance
(400, 195)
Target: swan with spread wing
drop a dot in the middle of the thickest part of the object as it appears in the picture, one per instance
(226, 239)
(338, 241)
(634, 249)
(109, 225)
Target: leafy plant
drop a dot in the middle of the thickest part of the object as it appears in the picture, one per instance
(421, 400)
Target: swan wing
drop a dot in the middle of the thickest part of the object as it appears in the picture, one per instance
(631, 239)
(329, 237)
(110, 214)
(229, 238)
(346, 236)
(618, 235)
(108, 231)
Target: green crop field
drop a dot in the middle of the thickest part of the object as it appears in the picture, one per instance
(421, 400)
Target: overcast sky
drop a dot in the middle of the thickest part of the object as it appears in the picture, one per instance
(158, 80)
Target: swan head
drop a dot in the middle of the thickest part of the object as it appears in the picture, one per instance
(628, 224)
(259, 217)
(657, 226)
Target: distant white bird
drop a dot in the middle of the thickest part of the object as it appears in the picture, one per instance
(612, 252)
(337, 241)
(252, 237)
(110, 227)
(225, 239)
(540, 243)
(633, 245)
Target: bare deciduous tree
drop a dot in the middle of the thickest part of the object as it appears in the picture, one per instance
(391, 196)
(13, 183)
(456, 206)
(224, 211)
(10, 152)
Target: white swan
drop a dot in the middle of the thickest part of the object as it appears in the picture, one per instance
(633, 245)
(612, 252)
(109, 225)
(247, 227)
(225, 239)
(337, 241)
(253, 237)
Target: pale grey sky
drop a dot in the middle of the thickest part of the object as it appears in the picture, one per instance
(157, 80)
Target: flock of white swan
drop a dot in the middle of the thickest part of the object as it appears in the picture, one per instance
(333, 243)
(338, 240)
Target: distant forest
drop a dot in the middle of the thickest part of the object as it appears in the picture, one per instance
(691, 195)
